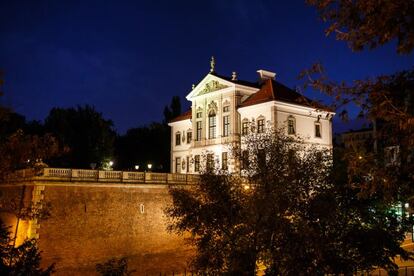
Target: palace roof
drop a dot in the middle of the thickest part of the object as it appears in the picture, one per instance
(184, 116)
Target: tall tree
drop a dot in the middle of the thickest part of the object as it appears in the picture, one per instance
(287, 213)
(88, 135)
(173, 110)
(387, 100)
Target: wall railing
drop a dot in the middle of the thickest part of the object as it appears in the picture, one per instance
(74, 175)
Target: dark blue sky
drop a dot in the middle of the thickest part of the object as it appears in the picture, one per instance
(128, 58)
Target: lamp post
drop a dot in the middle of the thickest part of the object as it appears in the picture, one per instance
(136, 167)
(149, 166)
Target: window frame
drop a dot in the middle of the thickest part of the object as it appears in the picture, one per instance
(177, 164)
(178, 138)
(224, 161)
(212, 125)
(292, 120)
(245, 128)
(260, 125)
(196, 163)
(226, 125)
(318, 125)
(199, 128)
(189, 136)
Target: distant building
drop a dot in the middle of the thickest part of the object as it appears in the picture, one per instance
(223, 109)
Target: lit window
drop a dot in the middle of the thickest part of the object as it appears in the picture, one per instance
(212, 125)
(245, 128)
(198, 133)
(178, 139)
(226, 108)
(318, 130)
(291, 125)
(210, 161)
(224, 161)
(260, 126)
(189, 137)
(197, 163)
(226, 125)
(177, 164)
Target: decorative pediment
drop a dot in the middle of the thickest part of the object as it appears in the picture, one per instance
(212, 86)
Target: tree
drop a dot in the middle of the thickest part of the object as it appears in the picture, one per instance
(173, 110)
(387, 101)
(369, 23)
(114, 267)
(88, 135)
(21, 260)
(287, 212)
(144, 145)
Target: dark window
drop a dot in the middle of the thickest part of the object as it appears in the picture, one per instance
(177, 164)
(199, 114)
(189, 137)
(226, 109)
(245, 128)
(226, 125)
(260, 126)
(197, 163)
(291, 126)
(188, 164)
(318, 130)
(198, 133)
(224, 160)
(212, 125)
(177, 139)
(245, 160)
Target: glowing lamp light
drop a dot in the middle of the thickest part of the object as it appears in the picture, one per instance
(149, 166)
(136, 167)
(111, 163)
(246, 187)
(360, 157)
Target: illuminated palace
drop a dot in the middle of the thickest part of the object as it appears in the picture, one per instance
(223, 109)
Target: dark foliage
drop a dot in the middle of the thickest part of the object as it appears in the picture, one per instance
(21, 260)
(114, 267)
(289, 213)
(89, 137)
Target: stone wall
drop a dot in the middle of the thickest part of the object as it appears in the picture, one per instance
(93, 222)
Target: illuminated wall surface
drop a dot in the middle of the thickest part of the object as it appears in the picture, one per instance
(93, 222)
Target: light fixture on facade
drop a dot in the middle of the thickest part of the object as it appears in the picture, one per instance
(136, 167)
(149, 166)
(111, 163)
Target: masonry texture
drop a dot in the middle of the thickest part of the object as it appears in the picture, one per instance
(93, 222)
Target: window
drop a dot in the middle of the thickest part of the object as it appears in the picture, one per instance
(189, 137)
(245, 160)
(212, 125)
(318, 130)
(198, 133)
(177, 164)
(245, 128)
(199, 115)
(224, 160)
(197, 163)
(188, 164)
(291, 125)
(260, 126)
(226, 108)
(178, 139)
(226, 125)
(210, 161)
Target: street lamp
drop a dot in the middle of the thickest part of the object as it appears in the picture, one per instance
(136, 167)
(149, 166)
(111, 163)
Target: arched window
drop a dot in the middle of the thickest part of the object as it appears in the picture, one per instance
(291, 125)
(212, 124)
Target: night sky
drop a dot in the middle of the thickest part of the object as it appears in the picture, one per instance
(128, 58)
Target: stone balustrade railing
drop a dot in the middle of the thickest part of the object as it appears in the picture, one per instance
(61, 174)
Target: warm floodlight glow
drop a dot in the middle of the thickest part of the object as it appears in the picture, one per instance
(111, 163)
(149, 166)
(136, 167)
(246, 187)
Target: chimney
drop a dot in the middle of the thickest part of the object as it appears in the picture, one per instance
(265, 75)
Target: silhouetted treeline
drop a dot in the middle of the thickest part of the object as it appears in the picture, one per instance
(89, 140)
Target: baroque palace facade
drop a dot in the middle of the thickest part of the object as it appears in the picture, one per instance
(223, 109)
